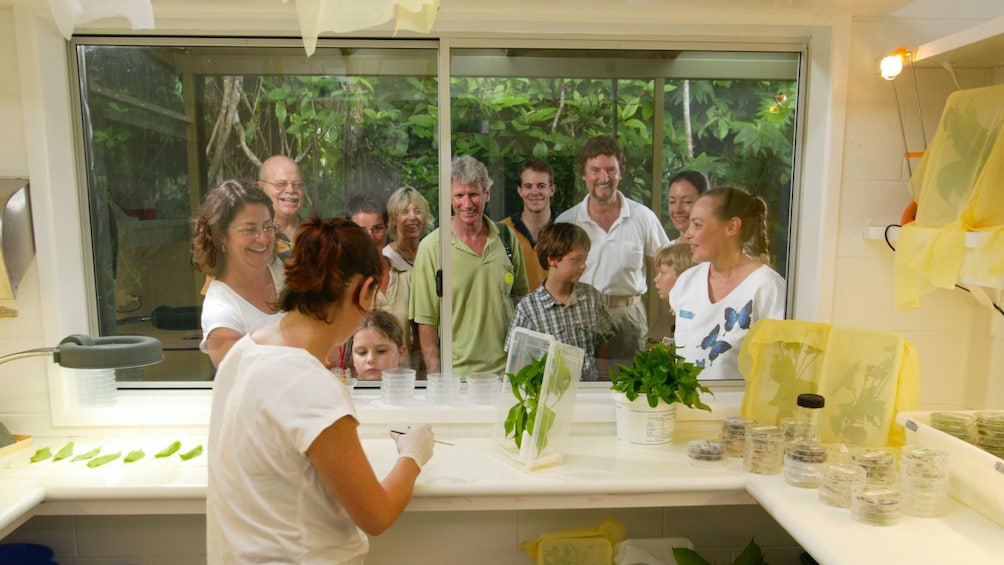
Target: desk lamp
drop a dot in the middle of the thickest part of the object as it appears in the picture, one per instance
(85, 352)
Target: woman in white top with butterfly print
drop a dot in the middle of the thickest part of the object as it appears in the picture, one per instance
(729, 288)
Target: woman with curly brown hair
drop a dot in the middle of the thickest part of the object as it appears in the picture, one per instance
(233, 239)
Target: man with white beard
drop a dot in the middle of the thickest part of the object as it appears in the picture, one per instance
(279, 177)
(625, 236)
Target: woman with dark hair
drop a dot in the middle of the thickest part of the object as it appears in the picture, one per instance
(729, 288)
(685, 187)
(233, 240)
(288, 479)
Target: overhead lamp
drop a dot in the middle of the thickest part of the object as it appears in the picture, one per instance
(86, 352)
(892, 64)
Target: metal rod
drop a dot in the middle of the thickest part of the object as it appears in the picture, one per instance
(400, 433)
(29, 353)
(902, 128)
(920, 110)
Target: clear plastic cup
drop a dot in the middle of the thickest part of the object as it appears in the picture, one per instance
(397, 386)
(442, 389)
(484, 388)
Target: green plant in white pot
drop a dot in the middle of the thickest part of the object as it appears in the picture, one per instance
(647, 393)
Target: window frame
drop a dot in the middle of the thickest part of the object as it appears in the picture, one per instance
(64, 251)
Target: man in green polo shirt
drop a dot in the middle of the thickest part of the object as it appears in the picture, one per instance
(484, 279)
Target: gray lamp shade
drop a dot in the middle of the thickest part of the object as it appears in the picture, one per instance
(113, 352)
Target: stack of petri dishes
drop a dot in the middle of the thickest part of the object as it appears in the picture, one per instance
(484, 388)
(442, 389)
(876, 504)
(990, 432)
(959, 424)
(804, 461)
(924, 480)
(397, 386)
(879, 464)
(764, 449)
(838, 481)
(706, 453)
(734, 435)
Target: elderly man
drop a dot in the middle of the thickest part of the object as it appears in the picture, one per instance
(536, 188)
(487, 273)
(625, 236)
(279, 177)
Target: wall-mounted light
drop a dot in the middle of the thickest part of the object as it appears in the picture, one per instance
(892, 64)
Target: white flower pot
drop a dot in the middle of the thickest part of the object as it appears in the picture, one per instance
(640, 424)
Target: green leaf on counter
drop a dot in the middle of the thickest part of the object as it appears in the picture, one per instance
(99, 461)
(64, 452)
(87, 455)
(41, 455)
(134, 455)
(192, 453)
(169, 450)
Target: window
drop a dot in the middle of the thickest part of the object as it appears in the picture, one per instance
(163, 123)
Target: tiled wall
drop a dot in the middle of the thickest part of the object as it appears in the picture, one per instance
(442, 538)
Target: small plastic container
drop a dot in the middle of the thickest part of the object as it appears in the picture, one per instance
(924, 480)
(347, 377)
(483, 388)
(838, 481)
(764, 450)
(876, 504)
(803, 463)
(442, 389)
(879, 464)
(734, 435)
(807, 415)
(706, 453)
(397, 386)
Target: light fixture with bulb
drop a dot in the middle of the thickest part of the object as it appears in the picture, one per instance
(892, 64)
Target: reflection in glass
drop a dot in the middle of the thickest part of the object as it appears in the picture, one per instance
(162, 123)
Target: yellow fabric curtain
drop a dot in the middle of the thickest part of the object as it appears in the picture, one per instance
(342, 16)
(959, 188)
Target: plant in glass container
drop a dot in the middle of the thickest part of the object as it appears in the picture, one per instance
(648, 392)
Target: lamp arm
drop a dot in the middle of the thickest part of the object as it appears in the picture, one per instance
(28, 353)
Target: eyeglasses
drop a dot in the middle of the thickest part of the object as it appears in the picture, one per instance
(254, 231)
(284, 184)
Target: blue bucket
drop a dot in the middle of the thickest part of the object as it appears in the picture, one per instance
(26, 554)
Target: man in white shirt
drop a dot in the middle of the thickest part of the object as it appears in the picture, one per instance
(625, 236)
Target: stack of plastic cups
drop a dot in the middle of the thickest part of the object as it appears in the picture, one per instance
(734, 435)
(838, 481)
(764, 449)
(876, 504)
(441, 389)
(959, 424)
(397, 386)
(879, 464)
(924, 480)
(990, 432)
(97, 387)
(705, 453)
(484, 388)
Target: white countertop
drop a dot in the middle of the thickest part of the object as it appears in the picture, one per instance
(833, 537)
(597, 472)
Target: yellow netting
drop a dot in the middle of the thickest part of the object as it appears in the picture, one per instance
(866, 377)
(959, 188)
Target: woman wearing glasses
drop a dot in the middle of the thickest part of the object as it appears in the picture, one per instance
(233, 239)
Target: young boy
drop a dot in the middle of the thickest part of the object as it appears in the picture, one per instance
(670, 261)
(571, 311)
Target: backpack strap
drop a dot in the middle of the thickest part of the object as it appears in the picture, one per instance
(505, 234)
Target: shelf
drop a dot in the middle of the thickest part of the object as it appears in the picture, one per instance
(979, 46)
(973, 239)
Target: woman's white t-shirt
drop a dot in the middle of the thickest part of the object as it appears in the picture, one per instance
(710, 334)
(265, 501)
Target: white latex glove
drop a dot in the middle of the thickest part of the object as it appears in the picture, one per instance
(414, 442)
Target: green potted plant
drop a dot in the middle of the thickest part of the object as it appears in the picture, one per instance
(647, 393)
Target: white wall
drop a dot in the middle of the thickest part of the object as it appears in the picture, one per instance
(959, 343)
